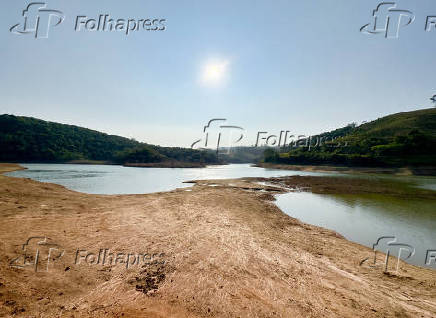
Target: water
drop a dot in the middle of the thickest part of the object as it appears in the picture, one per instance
(423, 182)
(365, 218)
(101, 179)
(360, 218)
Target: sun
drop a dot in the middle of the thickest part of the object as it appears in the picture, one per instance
(214, 72)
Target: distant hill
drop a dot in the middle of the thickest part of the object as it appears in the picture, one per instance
(402, 139)
(400, 124)
(242, 154)
(26, 139)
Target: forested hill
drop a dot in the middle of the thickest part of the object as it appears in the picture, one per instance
(26, 139)
(402, 139)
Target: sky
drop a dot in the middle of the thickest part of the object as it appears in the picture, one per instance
(301, 66)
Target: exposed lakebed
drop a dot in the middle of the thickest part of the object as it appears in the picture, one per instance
(361, 218)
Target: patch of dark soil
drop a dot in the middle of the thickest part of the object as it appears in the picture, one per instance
(150, 278)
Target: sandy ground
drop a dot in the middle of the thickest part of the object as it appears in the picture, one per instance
(219, 251)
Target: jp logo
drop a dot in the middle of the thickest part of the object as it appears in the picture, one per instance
(38, 20)
(37, 253)
(209, 142)
(390, 245)
(388, 20)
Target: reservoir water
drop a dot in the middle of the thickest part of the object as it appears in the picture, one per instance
(364, 218)
(106, 179)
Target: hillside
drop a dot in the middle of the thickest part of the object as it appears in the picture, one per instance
(26, 139)
(402, 139)
(401, 124)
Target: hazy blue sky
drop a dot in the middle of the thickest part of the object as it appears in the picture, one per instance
(301, 66)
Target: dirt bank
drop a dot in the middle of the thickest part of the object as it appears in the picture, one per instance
(405, 171)
(218, 251)
(341, 185)
(9, 167)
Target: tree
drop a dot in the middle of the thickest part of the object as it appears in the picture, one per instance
(270, 155)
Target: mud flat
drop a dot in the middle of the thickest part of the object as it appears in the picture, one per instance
(406, 171)
(341, 185)
(218, 249)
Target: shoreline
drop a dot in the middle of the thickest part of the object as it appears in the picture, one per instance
(164, 164)
(10, 167)
(167, 164)
(404, 171)
(229, 252)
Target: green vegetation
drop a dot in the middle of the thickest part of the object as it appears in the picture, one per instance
(156, 154)
(242, 154)
(403, 139)
(25, 139)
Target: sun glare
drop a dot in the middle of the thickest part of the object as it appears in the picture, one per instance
(215, 72)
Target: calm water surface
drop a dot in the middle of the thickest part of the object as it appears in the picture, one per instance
(367, 217)
(101, 179)
(360, 218)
